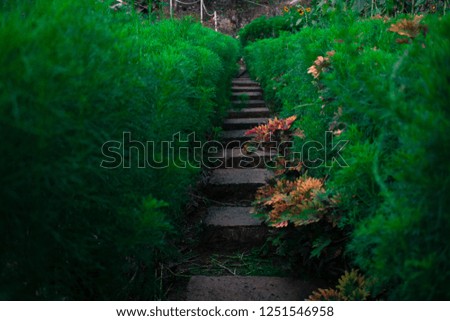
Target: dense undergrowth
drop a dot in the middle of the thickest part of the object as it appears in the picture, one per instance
(74, 75)
(383, 86)
(319, 13)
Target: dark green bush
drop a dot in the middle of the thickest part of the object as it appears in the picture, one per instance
(75, 75)
(391, 100)
(263, 27)
(293, 18)
(403, 244)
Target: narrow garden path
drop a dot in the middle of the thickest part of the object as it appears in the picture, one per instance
(229, 223)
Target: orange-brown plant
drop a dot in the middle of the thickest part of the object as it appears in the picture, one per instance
(275, 135)
(409, 28)
(336, 126)
(274, 127)
(326, 295)
(321, 64)
(291, 201)
(352, 286)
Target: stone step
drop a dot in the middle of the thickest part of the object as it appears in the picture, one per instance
(229, 184)
(237, 177)
(242, 123)
(246, 88)
(249, 112)
(250, 103)
(243, 74)
(236, 158)
(231, 227)
(234, 138)
(244, 82)
(231, 216)
(247, 94)
(247, 288)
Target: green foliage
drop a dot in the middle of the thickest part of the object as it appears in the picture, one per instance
(321, 13)
(352, 286)
(263, 27)
(369, 8)
(294, 18)
(406, 237)
(74, 76)
(390, 101)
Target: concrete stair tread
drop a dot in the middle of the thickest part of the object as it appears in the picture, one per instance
(258, 120)
(246, 88)
(247, 93)
(243, 123)
(230, 216)
(235, 134)
(236, 158)
(233, 227)
(257, 112)
(235, 138)
(250, 102)
(244, 81)
(238, 152)
(253, 110)
(247, 288)
(232, 176)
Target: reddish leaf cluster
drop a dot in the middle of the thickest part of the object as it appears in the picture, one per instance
(320, 64)
(283, 165)
(380, 17)
(352, 286)
(409, 28)
(292, 201)
(336, 126)
(266, 132)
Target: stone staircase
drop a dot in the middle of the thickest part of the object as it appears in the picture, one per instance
(230, 223)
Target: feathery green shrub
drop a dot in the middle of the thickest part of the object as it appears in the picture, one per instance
(75, 75)
(263, 27)
(391, 100)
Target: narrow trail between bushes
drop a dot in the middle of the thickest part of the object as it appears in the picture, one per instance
(229, 269)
